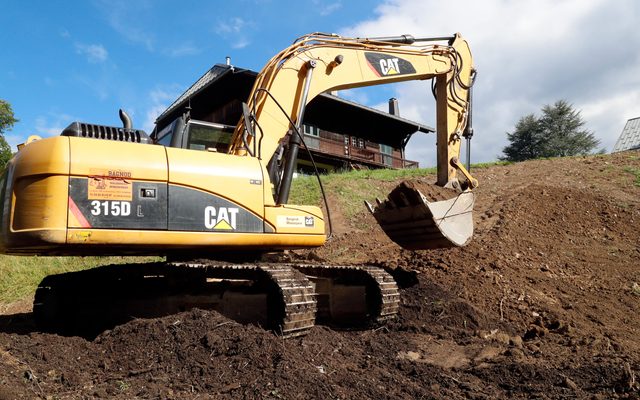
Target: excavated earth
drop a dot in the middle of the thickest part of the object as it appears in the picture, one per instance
(544, 303)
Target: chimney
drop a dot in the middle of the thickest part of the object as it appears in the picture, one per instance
(228, 59)
(393, 107)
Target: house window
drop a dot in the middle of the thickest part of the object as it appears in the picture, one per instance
(361, 143)
(387, 153)
(311, 130)
(354, 141)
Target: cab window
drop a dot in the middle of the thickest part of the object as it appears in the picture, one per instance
(209, 136)
(165, 135)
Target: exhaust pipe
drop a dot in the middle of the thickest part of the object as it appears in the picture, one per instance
(126, 120)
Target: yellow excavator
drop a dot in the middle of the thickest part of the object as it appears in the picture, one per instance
(100, 190)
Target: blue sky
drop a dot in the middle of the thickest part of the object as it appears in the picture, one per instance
(83, 60)
(67, 61)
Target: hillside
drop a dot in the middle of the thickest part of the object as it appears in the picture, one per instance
(543, 303)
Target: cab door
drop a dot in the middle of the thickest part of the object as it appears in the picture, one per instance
(210, 190)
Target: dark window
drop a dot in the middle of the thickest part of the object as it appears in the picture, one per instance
(211, 137)
(311, 130)
(387, 152)
(165, 135)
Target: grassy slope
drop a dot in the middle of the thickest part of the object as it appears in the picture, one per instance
(20, 275)
(351, 188)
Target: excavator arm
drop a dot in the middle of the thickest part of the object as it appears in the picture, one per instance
(320, 63)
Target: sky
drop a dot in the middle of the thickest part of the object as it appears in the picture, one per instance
(83, 60)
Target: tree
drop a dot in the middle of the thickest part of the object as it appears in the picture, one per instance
(5, 153)
(7, 120)
(526, 141)
(559, 132)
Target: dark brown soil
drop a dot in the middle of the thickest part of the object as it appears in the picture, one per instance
(425, 187)
(543, 304)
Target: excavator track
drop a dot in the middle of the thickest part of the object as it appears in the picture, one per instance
(297, 312)
(353, 295)
(285, 298)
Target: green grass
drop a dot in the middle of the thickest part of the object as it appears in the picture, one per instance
(20, 275)
(635, 172)
(352, 187)
(348, 188)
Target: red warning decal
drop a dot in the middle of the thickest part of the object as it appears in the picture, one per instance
(75, 211)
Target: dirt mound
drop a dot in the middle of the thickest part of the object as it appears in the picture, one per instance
(425, 187)
(542, 303)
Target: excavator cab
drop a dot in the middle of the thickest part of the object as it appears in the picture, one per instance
(195, 135)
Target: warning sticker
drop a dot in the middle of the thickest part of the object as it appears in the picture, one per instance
(109, 189)
(294, 221)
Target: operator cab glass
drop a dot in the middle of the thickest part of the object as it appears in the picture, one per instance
(209, 136)
(198, 135)
(164, 136)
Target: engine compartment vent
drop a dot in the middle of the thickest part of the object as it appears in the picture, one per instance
(84, 130)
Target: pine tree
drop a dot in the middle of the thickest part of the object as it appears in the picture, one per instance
(559, 132)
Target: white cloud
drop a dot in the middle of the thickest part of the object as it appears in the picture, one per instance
(99, 85)
(355, 95)
(152, 114)
(163, 95)
(125, 18)
(233, 25)
(614, 109)
(95, 53)
(235, 30)
(51, 124)
(327, 8)
(161, 98)
(13, 140)
(528, 54)
(184, 49)
(240, 43)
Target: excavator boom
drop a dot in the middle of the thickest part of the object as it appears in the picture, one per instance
(318, 63)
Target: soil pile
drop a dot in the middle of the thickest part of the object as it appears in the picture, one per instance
(543, 303)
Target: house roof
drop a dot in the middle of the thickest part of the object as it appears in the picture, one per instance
(223, 83)
(630, 137)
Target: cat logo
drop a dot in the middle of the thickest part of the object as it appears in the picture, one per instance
(387, 65)
(222, 218)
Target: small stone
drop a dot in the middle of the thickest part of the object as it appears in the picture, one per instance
(516, 341)
(516, 354)
(412, 355)
(570, 384)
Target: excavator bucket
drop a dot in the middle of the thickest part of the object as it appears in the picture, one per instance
(418, 216)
